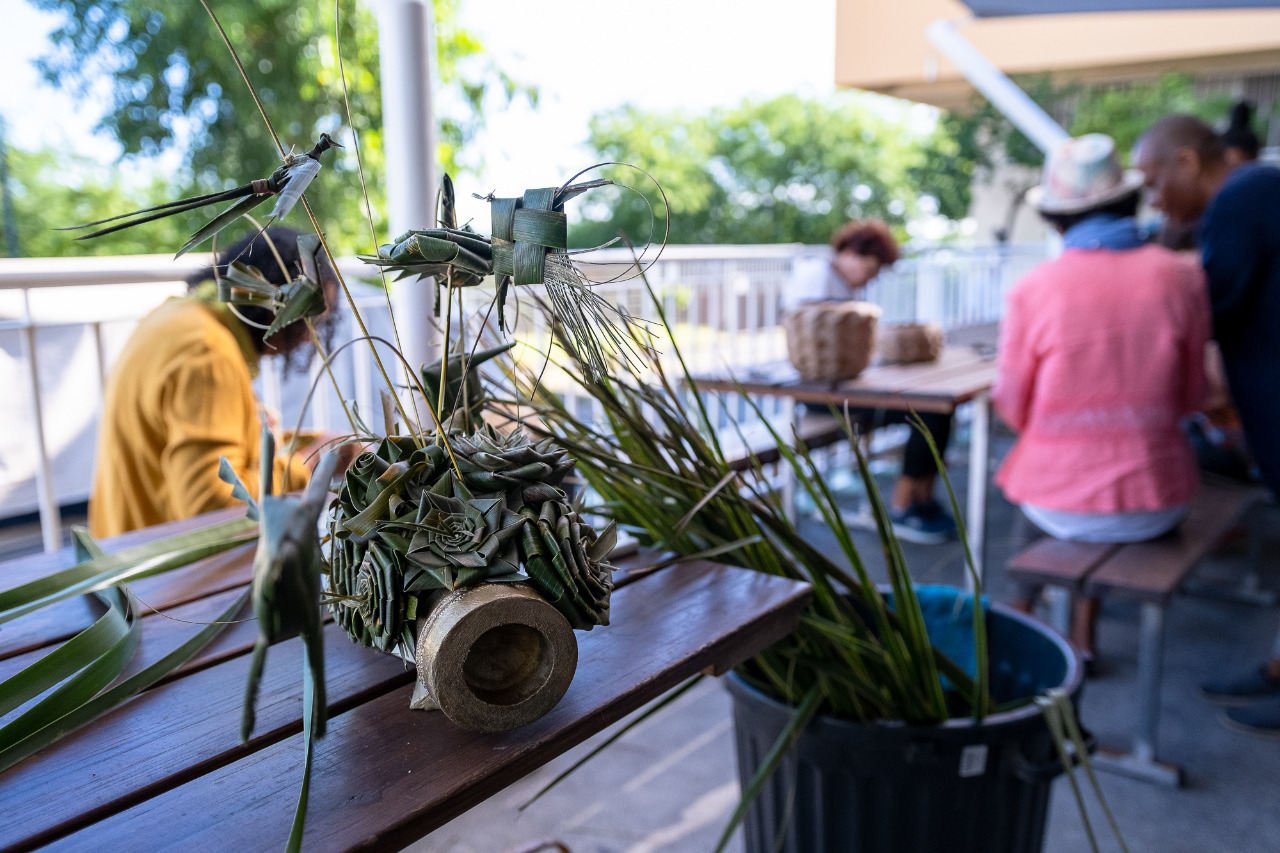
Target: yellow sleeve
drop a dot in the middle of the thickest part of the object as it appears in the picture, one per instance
(291, 473)
(207, 409)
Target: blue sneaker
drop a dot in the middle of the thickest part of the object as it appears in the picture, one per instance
(924, 523)
(1261, 719)
(1241, 688)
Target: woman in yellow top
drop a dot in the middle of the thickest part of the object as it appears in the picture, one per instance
(180, 396)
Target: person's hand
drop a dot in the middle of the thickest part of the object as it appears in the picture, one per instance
(347, 450)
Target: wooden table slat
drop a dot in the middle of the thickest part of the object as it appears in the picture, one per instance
(959, 375)
(162, 634)
(385, 775)
(167, 735)
(219, 573)
(25, 569)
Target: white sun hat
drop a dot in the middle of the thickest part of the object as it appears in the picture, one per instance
(1082, 174)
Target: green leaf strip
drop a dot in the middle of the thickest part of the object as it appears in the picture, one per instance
(130, 564)
(65, 717)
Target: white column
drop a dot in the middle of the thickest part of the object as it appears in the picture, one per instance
(406, 41)
(1015, 104)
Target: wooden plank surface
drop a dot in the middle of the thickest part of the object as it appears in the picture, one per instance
(1058, 562)
(385, 775)
(959, 375)
(219, 573)
(174, 732)
(1152, 571)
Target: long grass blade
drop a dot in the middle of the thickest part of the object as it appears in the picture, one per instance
(130, 564)
(772, 760)
(649, 712)
(62, 725)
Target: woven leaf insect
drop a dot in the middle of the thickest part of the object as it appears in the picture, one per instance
(288, 182)
(529, 246)
(285, 592)
(286, 575)
(298, 299)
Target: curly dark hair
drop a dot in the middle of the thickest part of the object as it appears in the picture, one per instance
(869, 237)
(255, 250)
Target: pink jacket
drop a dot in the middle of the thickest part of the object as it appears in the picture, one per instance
(1101, 353)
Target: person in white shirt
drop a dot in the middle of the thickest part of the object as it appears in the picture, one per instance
(860, 250)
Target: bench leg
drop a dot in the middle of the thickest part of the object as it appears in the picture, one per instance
(1059, 600)
(1141, 762)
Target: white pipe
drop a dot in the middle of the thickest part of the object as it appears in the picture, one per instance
(1004, 95)
(46, 491)
(406, 41)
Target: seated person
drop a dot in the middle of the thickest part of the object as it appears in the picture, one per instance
(180, 395)
(1101, 354)
(861, 250)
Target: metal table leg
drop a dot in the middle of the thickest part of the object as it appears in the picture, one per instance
(979, 456)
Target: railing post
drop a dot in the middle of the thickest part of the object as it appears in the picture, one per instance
(46, 490)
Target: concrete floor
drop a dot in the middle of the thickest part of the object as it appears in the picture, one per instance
(670, 784)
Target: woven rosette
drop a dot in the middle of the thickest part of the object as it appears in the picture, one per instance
(405, 524)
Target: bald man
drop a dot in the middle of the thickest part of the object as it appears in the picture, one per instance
(1188, 176)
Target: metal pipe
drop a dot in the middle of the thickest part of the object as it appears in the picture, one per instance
(406, 41)
(46, 494)
(1003, 94)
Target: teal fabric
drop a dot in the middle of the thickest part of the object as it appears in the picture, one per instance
(948, 617)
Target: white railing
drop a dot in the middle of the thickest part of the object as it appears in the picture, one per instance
(63, 320)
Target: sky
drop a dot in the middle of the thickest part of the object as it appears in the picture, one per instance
(585, 56)
(692, 55)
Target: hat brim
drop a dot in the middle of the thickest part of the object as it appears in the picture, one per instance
(1130, 183)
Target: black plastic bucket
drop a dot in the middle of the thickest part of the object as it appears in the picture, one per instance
(892, 788)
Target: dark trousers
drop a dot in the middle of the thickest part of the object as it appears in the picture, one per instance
(917, 459)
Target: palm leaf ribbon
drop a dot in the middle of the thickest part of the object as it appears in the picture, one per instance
(286, 183)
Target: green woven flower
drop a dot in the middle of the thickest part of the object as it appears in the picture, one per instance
(460, 540)
(404, 524)
(491, 461)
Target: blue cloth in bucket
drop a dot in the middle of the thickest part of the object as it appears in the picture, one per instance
(948, 617)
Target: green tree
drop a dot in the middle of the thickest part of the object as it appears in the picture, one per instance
(1125, 112)
(977, 142)
(50, 189)
(172, 84)
(782, 170)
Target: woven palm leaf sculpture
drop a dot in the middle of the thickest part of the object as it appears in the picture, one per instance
(410, 520)
(529, 246)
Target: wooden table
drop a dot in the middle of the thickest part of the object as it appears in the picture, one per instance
(167, 770)
(961, 374)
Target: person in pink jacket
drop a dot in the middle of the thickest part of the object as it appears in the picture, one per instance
(1101, 355)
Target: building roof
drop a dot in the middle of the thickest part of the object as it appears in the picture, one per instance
(882, 46)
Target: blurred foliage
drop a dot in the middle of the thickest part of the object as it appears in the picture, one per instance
(45, 197)
(171, 84)
(979, 141)
(1126, 112)
(783, 170)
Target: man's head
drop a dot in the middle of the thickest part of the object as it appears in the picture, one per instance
(267, 251)
(1182, 165)
(862, 249)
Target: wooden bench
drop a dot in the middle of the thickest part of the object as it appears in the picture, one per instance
(167, 771)
(1148, 573)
